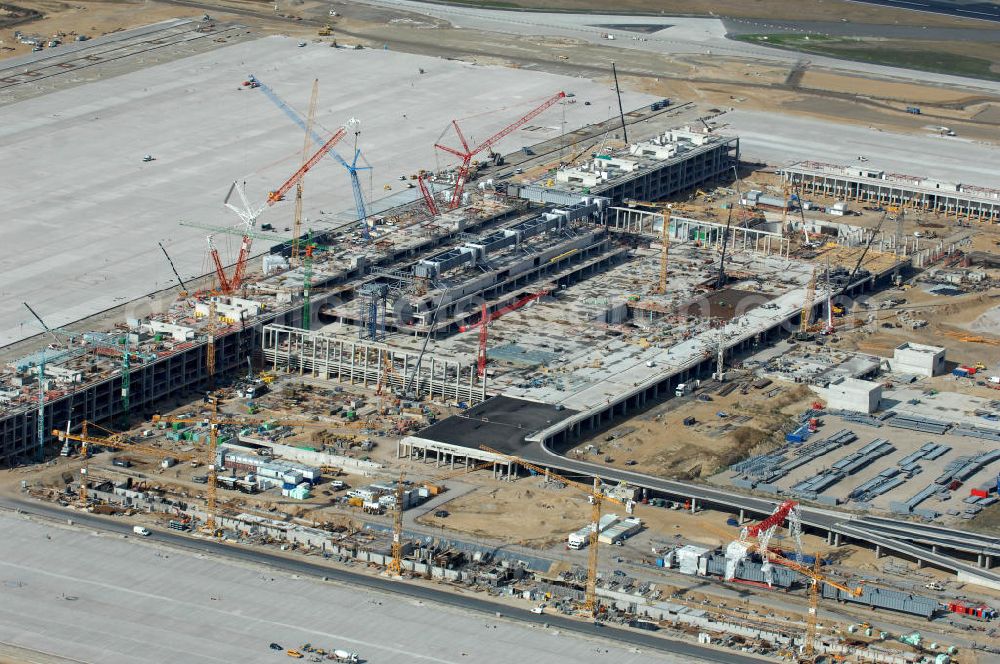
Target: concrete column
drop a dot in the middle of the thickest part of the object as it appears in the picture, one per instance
(836, 539)
(878, 551)
(741, 516)
(934, 548)
(694, 505)
(989, 561)
(979, 559)
(920, 564)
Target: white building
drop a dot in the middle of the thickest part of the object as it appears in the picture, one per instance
(918, 359)
(860, 396)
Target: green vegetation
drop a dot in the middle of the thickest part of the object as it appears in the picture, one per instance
(894, 54)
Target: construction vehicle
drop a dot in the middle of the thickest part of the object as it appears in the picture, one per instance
(325, 31)
(597, 497)
(466, 153)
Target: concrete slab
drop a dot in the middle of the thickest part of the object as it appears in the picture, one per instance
(83, 227)
(790, 139)
(60, 596)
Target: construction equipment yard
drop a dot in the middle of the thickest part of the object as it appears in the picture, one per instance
(559, 338)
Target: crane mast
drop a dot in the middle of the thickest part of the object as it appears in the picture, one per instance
(352, 168)
(597, 498)
(248, 214)
(298, 187)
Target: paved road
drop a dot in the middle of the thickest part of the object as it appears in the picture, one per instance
(984, 11)
(897, 539)
(411, 590)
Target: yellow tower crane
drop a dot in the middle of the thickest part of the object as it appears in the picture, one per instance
(116, 441)
(815, 576)
(214, 422)
(665, 248)
(210, 346)
(395, 567)
(807, 304)
(298, 187)
(597, 498)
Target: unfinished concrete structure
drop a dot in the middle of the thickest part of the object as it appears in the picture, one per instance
(676, 161)
(853, 183)
(919, 359)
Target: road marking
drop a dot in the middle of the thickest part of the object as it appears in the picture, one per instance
(228, 612)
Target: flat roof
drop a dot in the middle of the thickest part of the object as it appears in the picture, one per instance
(500, 422)
(920, 348)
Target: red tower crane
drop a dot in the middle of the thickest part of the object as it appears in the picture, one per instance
(249, 216)
(466, 153)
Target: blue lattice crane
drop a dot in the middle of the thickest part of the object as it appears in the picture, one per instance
(352, 168)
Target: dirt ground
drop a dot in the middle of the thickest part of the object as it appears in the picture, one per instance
(524, 512)
(657, 442)
(951, 315)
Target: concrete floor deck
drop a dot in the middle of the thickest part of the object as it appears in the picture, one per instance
(60, 595)
(88, 212)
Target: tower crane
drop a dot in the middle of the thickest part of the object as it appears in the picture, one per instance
(249, 213)
(807, 304)
(757, 537)
(395, 567)
(466, 153)
(664, 250)
(115, 441)
(307, 273)
(597, 498)
(298, 187)
(213, 422)
(352, 167)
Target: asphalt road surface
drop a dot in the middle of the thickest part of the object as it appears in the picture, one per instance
(985, 11)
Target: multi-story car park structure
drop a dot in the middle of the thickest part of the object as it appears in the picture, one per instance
(676, 161)
(868, 185)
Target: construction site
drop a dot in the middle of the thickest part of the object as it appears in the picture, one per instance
(556, 352)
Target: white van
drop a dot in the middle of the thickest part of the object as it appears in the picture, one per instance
(139, 530)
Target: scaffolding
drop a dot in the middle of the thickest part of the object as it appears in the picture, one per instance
(372, 299)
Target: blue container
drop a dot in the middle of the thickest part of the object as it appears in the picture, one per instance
(660, 562)
(732, 522)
